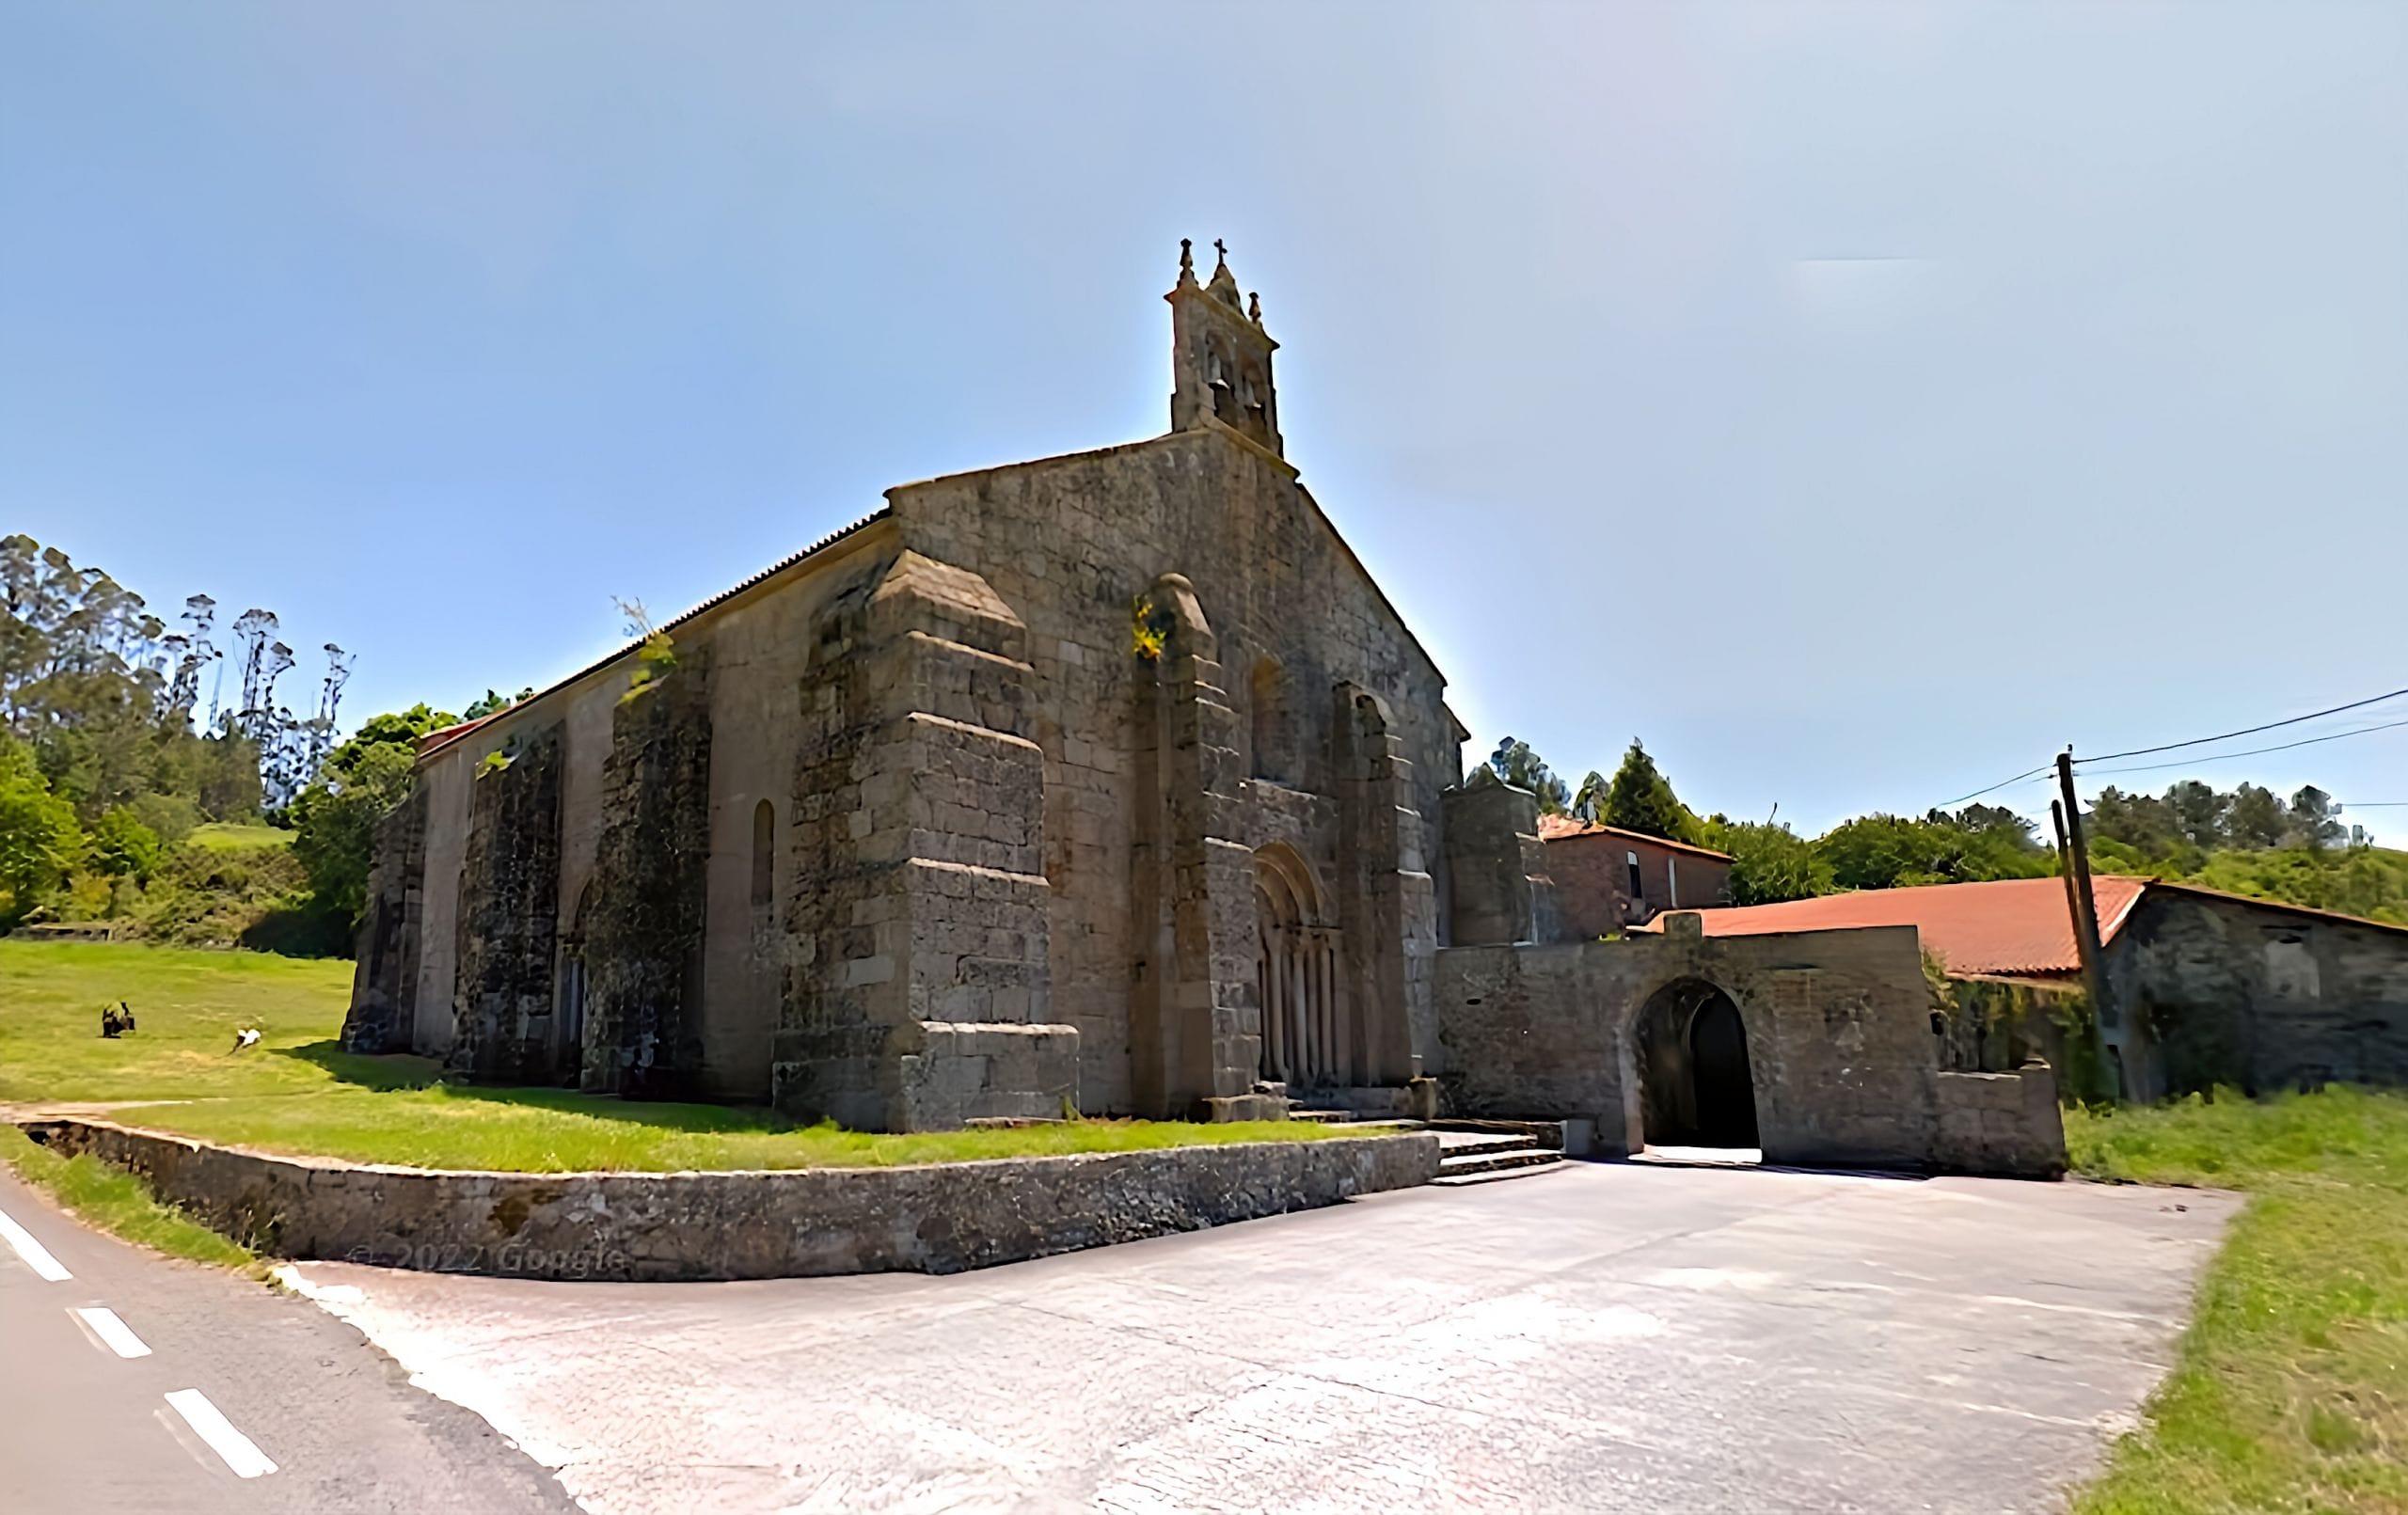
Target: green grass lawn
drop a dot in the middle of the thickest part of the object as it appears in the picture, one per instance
(543, 1130)
(299, 1092)
(188, 1002)
(237, 836)
(2292, 1391)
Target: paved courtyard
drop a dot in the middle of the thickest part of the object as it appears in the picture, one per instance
(1618, 1337)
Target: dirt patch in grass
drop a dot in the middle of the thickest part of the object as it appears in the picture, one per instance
(2291, 1392)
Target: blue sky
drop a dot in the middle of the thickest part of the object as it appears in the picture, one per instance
(1856, 401)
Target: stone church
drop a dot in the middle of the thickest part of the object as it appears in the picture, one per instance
(1107, 781)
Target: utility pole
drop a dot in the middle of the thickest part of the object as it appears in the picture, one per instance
(2066, 812)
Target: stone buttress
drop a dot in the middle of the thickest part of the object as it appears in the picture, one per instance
(644, 945)
(1388, 903)
(501, 1001)
(1196, 1034)
(917, 984)
(384, 978)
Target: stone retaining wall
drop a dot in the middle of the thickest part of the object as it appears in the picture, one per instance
(805, 1223)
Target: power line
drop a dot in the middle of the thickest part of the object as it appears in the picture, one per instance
(2245, 731)
(2202, 741)
(2001, 784)
(2219, 757)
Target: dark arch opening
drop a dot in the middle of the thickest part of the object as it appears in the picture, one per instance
(1696, 1087)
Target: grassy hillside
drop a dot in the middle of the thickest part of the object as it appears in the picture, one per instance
(237, 836)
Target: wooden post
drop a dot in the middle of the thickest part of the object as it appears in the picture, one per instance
(2086, 913)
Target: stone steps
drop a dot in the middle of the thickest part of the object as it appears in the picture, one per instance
(1470, 1151)
(1484, 1151)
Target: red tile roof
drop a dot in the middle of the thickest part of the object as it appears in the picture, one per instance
(443, 734)
(2009, 926)
(1557, 827)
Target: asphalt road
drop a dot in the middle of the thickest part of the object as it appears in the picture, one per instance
(1600, 1337)
(262, 1379)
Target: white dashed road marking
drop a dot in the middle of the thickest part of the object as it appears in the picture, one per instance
(37, 1257)
(114, 1334)
(210, 1424)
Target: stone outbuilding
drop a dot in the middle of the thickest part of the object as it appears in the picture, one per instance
(2204, 989)
(1817, 1047)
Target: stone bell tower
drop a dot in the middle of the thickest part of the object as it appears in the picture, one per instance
(1220, 354)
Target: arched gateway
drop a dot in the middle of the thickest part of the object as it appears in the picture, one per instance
(1296, 974)
(1695, 1085)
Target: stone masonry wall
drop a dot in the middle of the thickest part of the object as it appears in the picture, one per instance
(2005, 1124)
(1591, 873)
(1196, 1033)
(385, 977)
(644, 945)
(503, 998)
(1501, 892)
(810, 1223)
(2262, 999)
(1387, 899)
(920, 980)
(1838, 1030)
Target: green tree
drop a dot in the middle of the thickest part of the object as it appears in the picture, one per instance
(1893, 852)
(1521, 768)
(1769, 863)
(2199, 813)
(2255, 819)
(123, 847)
(334, 817)
(2142, 822)
(1639, 799)
(39, 838)
(494, 703)
(2315, 820)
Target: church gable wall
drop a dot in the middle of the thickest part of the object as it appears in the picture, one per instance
(1069, 544)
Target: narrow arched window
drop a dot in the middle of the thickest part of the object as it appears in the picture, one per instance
(1268, 694)
(765, 855)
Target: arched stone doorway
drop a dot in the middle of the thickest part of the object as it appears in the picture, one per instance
(1296, 974)
(1695, 1085)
